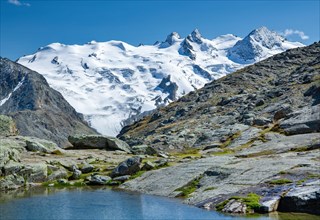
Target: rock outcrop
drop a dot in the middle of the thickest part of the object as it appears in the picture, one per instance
(98, 142)
(127, 167)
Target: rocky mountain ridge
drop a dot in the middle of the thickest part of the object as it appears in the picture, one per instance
(126, 81)
(248, 142)
(37, 109)
(282, 91)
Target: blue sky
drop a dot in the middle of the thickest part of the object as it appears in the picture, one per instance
(29, 24)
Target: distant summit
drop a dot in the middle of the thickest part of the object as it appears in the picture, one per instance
(259, 44)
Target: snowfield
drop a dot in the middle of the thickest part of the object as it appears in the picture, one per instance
(111, 81)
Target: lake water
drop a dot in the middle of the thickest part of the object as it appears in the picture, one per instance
(100, 204)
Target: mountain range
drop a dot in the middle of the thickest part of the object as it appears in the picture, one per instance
(111, 83)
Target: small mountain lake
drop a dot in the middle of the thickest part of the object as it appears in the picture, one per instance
(104, 203)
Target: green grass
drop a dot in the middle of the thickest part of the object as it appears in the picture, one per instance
(189, 188)
(137, 174)
(78, 184)
(280, 181)
(189, 152)
(49, 172)
(230, 139)
(300, 149)
(221, 205)
(57, 152)
(309, 176)
(251, 201)
(224, 152)
(301, 181)
(209, 188)
(258, 154)
(313, 176)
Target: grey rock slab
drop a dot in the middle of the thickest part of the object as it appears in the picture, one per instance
(165, 181)
(280, 143)
(245, 137)
(122, 178)
(44, 146)
(307, 120)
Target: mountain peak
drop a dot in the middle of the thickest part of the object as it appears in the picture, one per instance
(258, 44)
(195, 36)
(267, 37)
(172, 38)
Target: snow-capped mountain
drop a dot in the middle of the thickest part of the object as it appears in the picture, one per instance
(111, 81)
(259, 44)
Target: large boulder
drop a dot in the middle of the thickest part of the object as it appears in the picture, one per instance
(301, 199)
(306, 120)
(44, 146)
(7, 154)
(12, 167)
(61, 173)
(87, 168)
(36, 173)
(235, 207)
(127, 167)
(98, 180)
(143, 149)
(269, 204)
(98, 142)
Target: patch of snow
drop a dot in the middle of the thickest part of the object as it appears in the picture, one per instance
(10, 94)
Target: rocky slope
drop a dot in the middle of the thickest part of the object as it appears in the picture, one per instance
(126, 80)
(280, 92)
(246, 142)
(37, 109)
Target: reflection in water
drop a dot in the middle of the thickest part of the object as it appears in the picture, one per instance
(103, 203)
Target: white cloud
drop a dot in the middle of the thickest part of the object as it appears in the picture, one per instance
(18, 3)
(301, 34)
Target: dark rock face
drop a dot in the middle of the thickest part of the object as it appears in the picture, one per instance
(127, 167)
(166, 86)
(187, 49)
(37, 109)
(306, 199)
